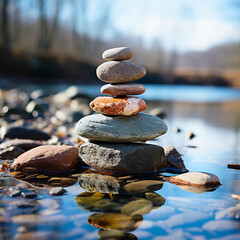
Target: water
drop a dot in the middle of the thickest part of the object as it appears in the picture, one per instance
(213, 115)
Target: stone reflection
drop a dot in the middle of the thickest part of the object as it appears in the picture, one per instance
(118, 203)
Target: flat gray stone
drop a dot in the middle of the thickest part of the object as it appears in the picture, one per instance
(119, 72)
(119, 53)
(135, 157)
(140, 127)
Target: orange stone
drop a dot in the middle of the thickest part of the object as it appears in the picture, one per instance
(121, 106)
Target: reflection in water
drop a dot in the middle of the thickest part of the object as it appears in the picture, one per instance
(118, 203)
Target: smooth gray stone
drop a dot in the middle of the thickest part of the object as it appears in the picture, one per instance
(120, 157)
(119, 53)
(140, 127)
(120, 72)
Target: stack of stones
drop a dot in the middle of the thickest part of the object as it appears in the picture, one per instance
(115, 133)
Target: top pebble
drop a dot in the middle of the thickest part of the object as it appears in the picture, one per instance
(117, 54)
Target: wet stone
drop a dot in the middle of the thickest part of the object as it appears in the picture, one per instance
(141, 206)
(115, 234)
(57, 191)
(28, 194)
(156, 199)
(115, 221)
(14, 193)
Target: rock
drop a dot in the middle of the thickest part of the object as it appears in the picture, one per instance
(156, 199)
(57, 191)
(140, 127)
(121, 106)
(28, 194)
(141, 206)
(235, 196)
(190, 135)
(196, 178)
(99, 183)
(123, 89)
(11, 153)
(120, 72)
(14, 193)
(9, 111)
(48, 157)
(144, 186)
(119, 53)
(115, 221)
(115, 234)
(231, 212)
(219, 226)
(174, 158)
(177, 130)
(26, 133)
(25, 144)
(135, 157)
(37, 105)
(158, 112)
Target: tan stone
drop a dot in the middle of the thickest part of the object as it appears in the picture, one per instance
(118, 53)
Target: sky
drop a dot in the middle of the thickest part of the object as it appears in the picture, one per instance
(181, 25)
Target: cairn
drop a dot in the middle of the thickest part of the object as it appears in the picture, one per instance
(114, 134)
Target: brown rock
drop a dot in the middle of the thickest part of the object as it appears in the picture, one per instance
(49, 157)
(119, 53)
(122, 106)
(123, 89)
(120, 72)
(25, 144)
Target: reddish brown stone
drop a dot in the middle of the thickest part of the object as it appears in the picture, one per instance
(123, 89)
(122, 106)
(48, 157)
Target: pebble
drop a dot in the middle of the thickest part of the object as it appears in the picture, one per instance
(14, 193)
(123, 89)
(115, 157)
(57, 191)
(139, 127)
(48, 157)
(25, 144)
(190, 135)
(156, 199)
(173, 158)
(11, 153)
(141, 187)
(115, 221)
(28, 194)
(120, 72)
(119, 53)
(141, 206)
(235, 196)
(121, 106)
(196, 178)
(116, 235)
(26, 133)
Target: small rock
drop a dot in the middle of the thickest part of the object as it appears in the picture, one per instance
(25, 144)
(119, 53)
(120, 72)
(139, 127)
(156, 199)
(37, 105)
(57, 191)
(115, 221)
(158, 112)
(14, 193)
(48, 157)
(26, 133)
(123, 157)
(141, 206)
(141, 187)
(115, 234)
(28, 194)
(123, 89)
(121, 106)
(190, 135)
(196, 178)
(235, 196)
(177, 130)
(174, 158)
(11, 153)
(231, 212)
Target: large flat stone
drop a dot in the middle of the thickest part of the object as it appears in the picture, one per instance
(140, 127)
(120, 157)
(120, 72)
